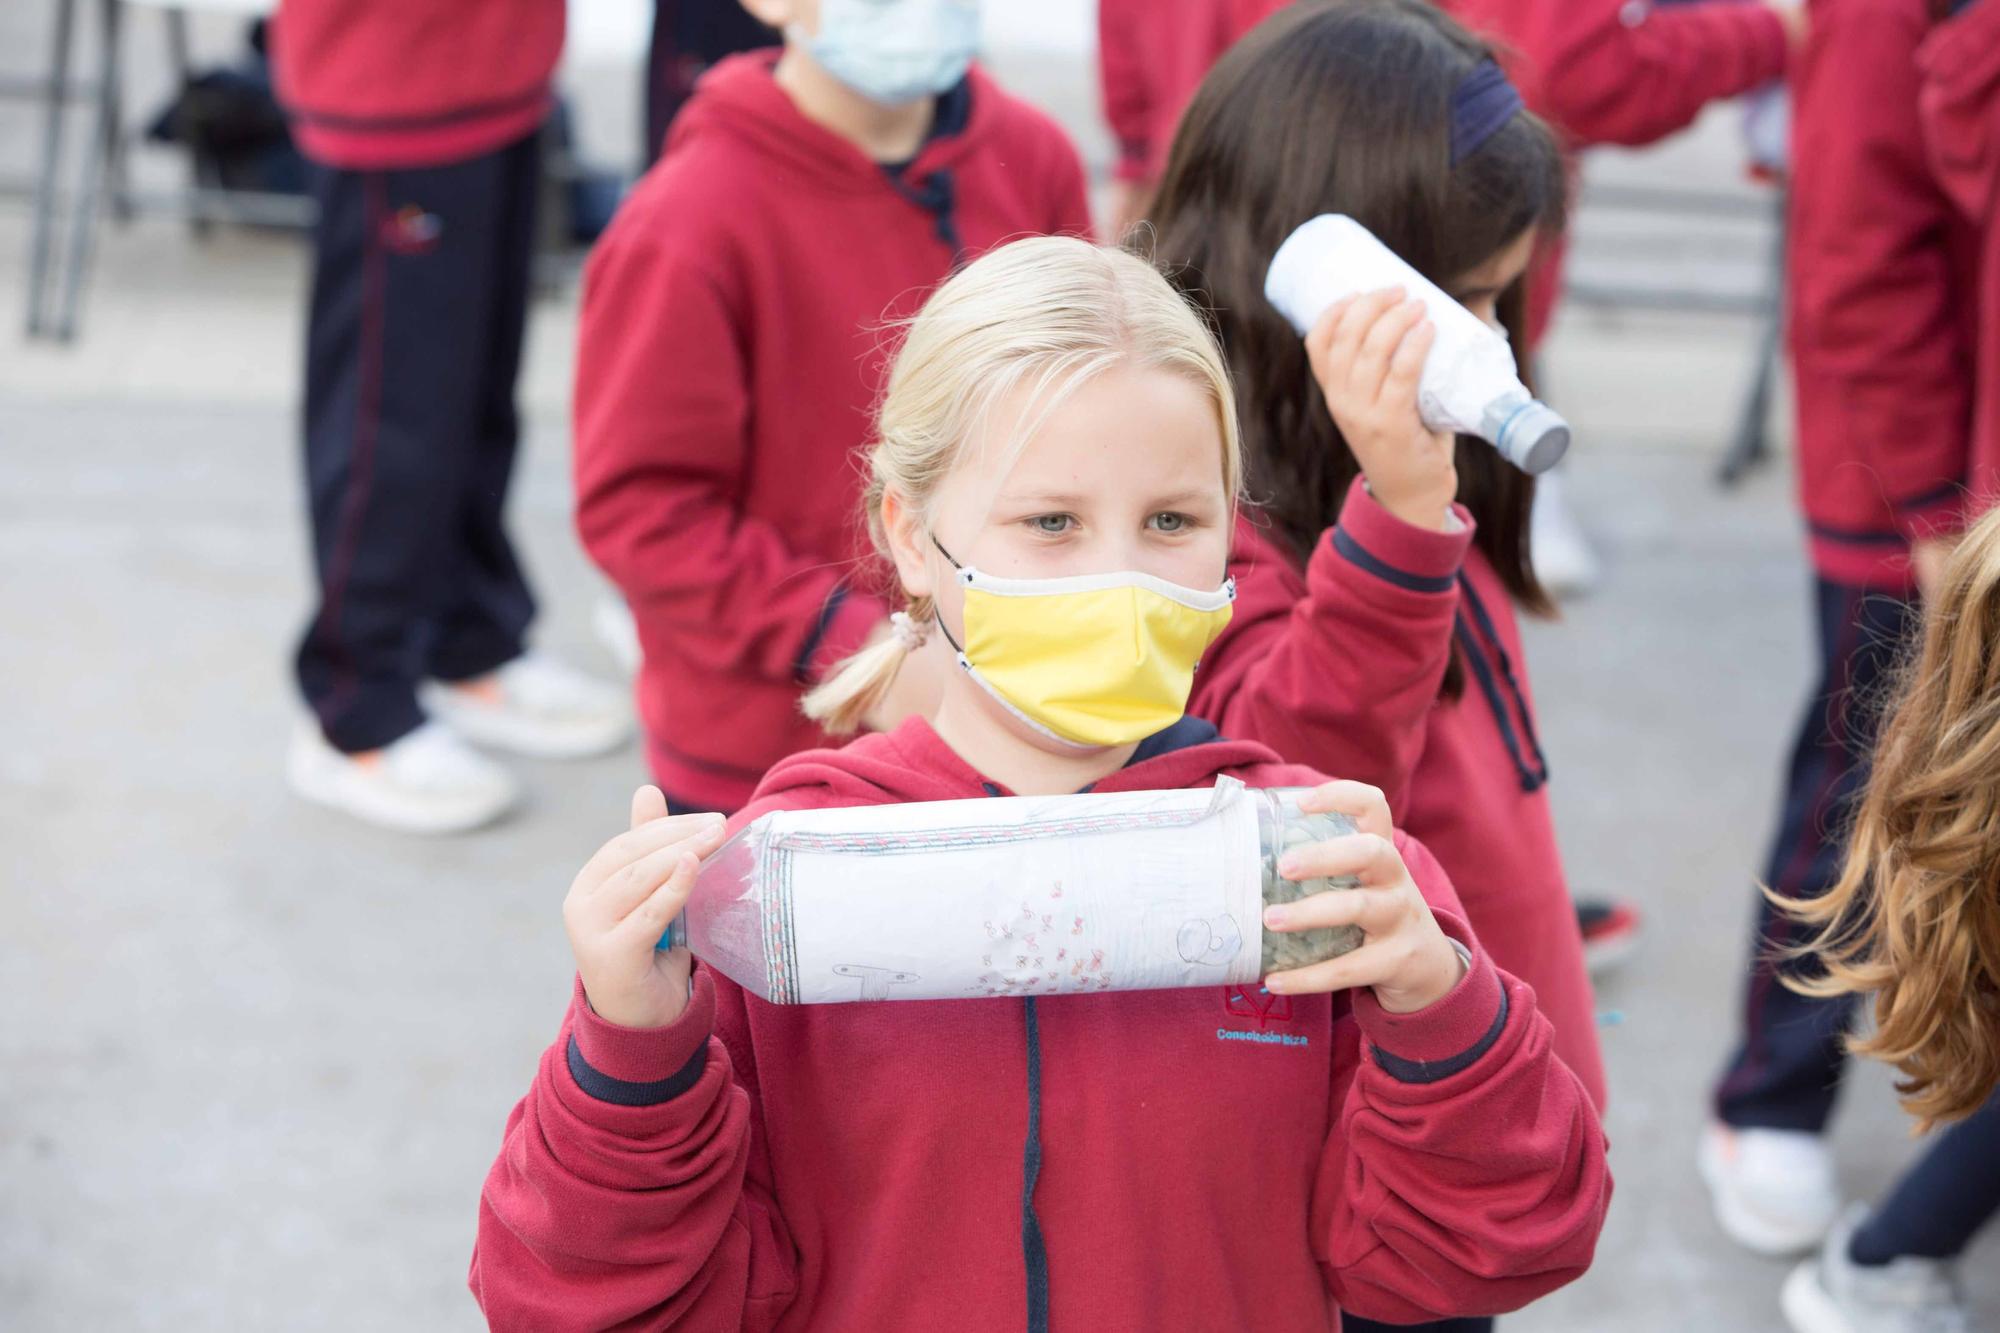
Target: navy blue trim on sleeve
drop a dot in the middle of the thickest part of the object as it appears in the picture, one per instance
(1925, 499)
(1433, 1071)
(1856, 536)
(802, 666)
(619, 1092)
(1357, 554)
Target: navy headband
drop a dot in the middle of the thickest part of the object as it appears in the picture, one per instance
(1483, 101)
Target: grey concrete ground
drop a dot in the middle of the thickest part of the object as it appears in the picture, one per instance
(255, 1060)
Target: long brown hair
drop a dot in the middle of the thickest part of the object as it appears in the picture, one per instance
(1915, 916)
(1346, 107)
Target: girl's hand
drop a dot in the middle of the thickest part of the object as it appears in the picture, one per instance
(1405, 957)
(622, 901)
(1368, 355)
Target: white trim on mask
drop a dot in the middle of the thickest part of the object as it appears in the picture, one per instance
(1040, 728)
(1192, 598)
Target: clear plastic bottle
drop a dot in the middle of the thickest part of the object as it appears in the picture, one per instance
(1281, 825)
(1470, 382)
(1054, 895)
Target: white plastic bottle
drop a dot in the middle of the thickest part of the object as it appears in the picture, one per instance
(1470, 383)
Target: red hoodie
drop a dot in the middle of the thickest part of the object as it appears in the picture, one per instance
(1960, 102)
(732, 343)
(371, 84)
(1196, 1159)
(1883, 319)
(1600, 71)
(1339, 665)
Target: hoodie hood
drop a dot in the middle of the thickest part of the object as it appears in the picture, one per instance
(912, 763)
(741, 99)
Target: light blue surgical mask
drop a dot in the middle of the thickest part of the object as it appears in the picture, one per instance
(895, 51)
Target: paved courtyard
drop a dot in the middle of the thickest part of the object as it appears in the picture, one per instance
(255, 1060)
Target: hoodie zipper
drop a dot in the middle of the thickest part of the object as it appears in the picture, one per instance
(1034, 1251)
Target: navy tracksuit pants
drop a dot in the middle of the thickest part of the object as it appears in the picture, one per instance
(1786, 1072)
(419, 302)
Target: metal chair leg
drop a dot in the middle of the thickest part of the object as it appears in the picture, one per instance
(103, 144)
(41, 259)
(201, 174)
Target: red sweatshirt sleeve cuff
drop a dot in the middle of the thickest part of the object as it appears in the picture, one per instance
(845, 624)
(1438, 1041)
(640, 1066)
(1414, 559)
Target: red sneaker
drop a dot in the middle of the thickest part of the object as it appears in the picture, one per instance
(1610, 933)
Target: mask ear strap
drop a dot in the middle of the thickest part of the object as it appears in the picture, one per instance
(937, 612)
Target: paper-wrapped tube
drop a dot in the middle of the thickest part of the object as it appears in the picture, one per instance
(1007, 896)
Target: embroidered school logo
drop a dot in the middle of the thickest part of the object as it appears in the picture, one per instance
(1263, 1010)
(1242, 1002)
(411, 231)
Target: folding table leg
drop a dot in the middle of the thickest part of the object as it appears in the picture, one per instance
(103, 144)
(55, 110)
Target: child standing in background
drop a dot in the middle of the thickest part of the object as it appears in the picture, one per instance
(1914, 921)
(423, 123)
(729, 355)
(1884, 327)
(1057, 423)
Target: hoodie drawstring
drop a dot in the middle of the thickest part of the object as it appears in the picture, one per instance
(1532, 778)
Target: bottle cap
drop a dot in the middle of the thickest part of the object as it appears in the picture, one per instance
(1533, 438)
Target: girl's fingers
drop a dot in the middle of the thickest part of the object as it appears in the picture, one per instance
(702, 834)
(1376, 911)
(649, 919)
(1365, 805)
(648, 804)
(1353, 324)
(626, 889)
(1369, 857)
(1406, 367)
(1366, 966)
(1320, 336)
(1370, 369)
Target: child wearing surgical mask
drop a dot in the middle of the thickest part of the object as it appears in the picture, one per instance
(730, 353)
(1054, 483)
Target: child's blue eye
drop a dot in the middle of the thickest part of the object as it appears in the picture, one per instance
(1170, 522)
(1053, 525)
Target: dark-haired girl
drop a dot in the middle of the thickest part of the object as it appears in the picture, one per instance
(1375, 631)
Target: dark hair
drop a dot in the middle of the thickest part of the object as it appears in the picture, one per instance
(1346, 107)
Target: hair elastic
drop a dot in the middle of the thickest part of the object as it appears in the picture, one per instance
(1483, 102)
(907, 632)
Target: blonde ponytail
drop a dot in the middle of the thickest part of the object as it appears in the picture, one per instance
(1044, 315)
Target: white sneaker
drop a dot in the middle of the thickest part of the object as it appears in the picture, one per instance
(1564, 561)
(1773, 1189)
(1830, 1293)
(537, 707)
(427, 782)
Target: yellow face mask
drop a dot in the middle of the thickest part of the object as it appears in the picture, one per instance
(1099, 659)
